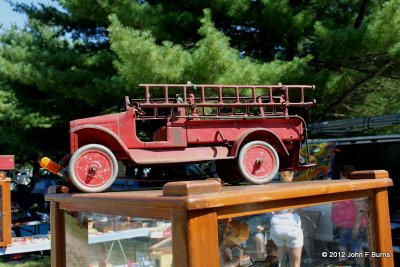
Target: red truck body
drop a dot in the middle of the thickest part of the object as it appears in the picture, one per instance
(246, 129)
(7, 162)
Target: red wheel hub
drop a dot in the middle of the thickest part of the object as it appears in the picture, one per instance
(259, 161)
(93, 168)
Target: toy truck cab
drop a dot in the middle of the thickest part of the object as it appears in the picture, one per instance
(246, 129)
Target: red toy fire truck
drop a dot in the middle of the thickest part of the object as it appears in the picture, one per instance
(248, 130)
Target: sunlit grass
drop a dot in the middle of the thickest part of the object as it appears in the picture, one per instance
(25, 261)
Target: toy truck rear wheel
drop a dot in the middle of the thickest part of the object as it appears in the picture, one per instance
(93, 168)
(258, 162)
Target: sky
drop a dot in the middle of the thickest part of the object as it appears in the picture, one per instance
(8, 17)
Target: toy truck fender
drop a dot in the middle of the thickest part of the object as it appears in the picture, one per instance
(95, 134)
(259, 134)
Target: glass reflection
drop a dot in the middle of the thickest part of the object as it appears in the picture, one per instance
(94, 239)
(333, 234)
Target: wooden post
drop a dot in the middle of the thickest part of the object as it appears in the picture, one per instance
(57, 231)
(195, 238)
(381, 251)
(6, 209)
(179, 238)
(194, 232)
(203, 238)
(383, 237)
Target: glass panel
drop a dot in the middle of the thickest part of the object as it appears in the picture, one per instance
(322, 235)
(94, 239)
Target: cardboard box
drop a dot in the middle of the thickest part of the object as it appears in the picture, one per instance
(161, 259)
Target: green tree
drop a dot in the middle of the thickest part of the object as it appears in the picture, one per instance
(53, 70)
(344, 47)
(80, 59)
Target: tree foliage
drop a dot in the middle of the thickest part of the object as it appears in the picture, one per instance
(80, 58)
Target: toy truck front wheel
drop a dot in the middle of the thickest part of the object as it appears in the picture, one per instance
(258, 162)
(93, 168)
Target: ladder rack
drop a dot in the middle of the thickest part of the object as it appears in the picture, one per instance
(218, 100)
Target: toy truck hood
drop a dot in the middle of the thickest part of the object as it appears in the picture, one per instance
(109, 121)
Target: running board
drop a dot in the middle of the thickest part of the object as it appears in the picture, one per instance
(179, 155)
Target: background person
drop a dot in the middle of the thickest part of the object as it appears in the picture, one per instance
(258, 225)
(350, 216)
(286, 231)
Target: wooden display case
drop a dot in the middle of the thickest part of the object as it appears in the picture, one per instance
(197, 210)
